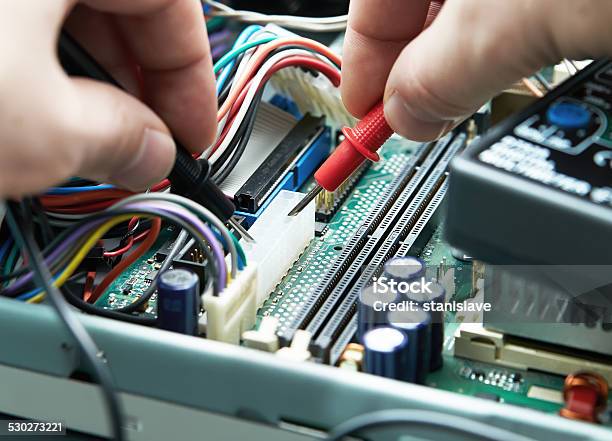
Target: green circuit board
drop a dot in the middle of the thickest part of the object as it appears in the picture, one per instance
(130, 284)
(290, 293)
(457, 375)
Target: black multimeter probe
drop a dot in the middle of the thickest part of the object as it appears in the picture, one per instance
(189, 177)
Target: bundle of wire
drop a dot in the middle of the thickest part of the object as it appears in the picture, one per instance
(242, 74)
(64, 254)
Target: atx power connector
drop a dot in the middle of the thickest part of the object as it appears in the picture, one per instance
(361, 143)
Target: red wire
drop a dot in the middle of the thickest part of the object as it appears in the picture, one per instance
(129, 259)
(128, 246)
(83, 209)
(80, 198)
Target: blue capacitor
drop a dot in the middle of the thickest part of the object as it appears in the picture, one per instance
(386, 352)
(404, 269)
(178, 303)
(416, 324)
(367, 315)
(431, 294)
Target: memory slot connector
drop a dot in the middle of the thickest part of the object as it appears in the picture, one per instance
(339, 308)
(340, 323)
(416, 235)
(401, 188)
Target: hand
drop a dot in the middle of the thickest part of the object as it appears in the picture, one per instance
(434, 79)
(53, 127)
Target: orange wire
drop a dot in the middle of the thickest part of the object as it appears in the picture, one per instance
(89, 282)
(258, 58)
(532, 88)
(128, 260)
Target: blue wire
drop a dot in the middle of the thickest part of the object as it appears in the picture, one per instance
(70, 190)
(28, 295)
(241, 263)
(242, 38)
(5, 246)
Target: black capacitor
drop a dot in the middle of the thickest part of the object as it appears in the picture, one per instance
(404, 269)
(367, 316)
(430, 294)
(178, 302)
(386, 352)
(416, 324)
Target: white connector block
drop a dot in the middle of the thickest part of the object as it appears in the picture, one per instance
(234, 310)
(314, 95)
(279, 240)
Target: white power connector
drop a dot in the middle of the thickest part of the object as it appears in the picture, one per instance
(279, 242)
(234, 310)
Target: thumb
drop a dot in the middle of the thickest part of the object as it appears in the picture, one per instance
(123, 142)
(472, 51)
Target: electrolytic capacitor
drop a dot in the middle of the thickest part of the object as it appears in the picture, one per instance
(416, 324)
(404, 269)
(367, 315)
(432, 293)
(385, 352)
(178, 302)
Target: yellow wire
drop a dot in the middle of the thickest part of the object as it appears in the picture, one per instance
(82, 253)
(91, 242)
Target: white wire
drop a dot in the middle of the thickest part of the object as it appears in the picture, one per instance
(239, 71)
(317, 24)
(255, 83)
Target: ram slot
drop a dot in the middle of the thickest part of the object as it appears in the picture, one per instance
(343, 340)
(416, 233)
(401, 187)
(432, 190)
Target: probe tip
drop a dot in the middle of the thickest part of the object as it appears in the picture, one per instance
(306, 200)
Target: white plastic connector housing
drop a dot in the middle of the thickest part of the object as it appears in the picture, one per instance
(314, 95)
(264, 338)
(279, 240)
(298, 351)
(234, 310)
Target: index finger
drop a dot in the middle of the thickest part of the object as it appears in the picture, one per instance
(377, 32)
(169, 42)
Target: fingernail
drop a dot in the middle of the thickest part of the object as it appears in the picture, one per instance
(152, 162)
(404, 119)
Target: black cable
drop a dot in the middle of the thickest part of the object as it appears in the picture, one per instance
(229, 81)
(144, 298)
(46, 232)
(423, 418)
(238, 144)
(244, 140)
(81, 304)
(75, 328)
(226, 154)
